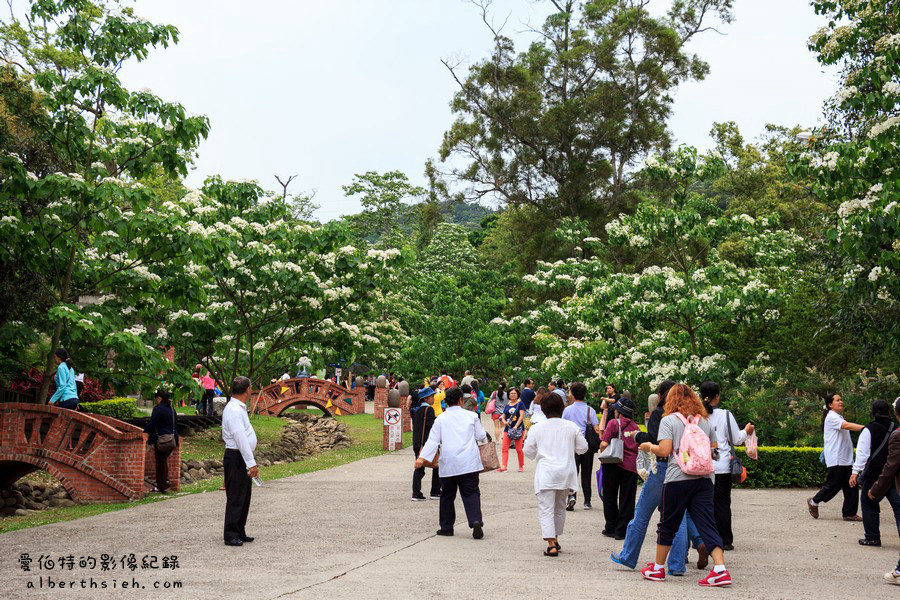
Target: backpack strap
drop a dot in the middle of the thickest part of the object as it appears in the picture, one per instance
(682, 418)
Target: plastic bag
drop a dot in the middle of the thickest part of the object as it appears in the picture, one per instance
(646, 464)
(751, 445)
(600, 479)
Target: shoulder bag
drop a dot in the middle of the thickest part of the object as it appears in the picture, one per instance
(515, 432)
(166, 442)
(738, 470)
(614, 453)
(590, 434)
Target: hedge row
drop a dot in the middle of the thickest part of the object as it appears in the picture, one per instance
(119, 408)
(780, 466)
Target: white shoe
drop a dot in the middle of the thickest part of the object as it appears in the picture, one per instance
(892, 577)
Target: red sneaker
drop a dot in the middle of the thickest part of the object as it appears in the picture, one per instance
(716, 579)
(649, 572)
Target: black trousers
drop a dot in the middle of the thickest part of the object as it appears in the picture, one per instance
(871, 510)
(471, 497)
(206, 404)
(419, 474)
(238, 488)
(694, 496)
(162, 469)
(722, 507)
(839, 480)
(619, 490)
(584, 464)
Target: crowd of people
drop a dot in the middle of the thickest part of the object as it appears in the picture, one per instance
(690, 435)
(691, 438)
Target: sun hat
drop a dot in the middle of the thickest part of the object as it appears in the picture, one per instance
(426, 393)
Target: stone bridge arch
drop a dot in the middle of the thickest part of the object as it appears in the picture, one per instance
(331, 398)
(96, 458)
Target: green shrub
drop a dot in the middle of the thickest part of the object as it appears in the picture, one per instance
(119, 408)
(780, 466)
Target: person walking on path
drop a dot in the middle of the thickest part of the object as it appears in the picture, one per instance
(537, 411)
(470, 400)
(686, 439)
(553, 445)
(648, 501)
(163, 430)
(728, 435)
(66, 394)
(528, 392)
(620, 480)
(583, 416)
(513, 421)
(871, 456)
(479, 396)
(457, 433)
(838, 460)
(500, 400)
(422, 421)
(890, 480)
(240, 466)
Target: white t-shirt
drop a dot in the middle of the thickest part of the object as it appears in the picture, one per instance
(838, 446)
(553, 444)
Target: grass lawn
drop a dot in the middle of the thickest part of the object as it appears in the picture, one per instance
(365, 430)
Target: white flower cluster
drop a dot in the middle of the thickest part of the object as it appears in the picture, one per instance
(885, 125)
(136, 330)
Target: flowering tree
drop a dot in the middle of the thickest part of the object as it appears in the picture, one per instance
(654, 321)
(268, 282)
(92, 227)
(855, 156)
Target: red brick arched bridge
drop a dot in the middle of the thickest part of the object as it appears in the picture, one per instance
(328, 396)
(96, 458)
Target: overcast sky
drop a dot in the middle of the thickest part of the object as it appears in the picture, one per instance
(326, 89)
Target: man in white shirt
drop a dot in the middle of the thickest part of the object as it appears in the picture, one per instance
(457, 432)
(240, 466)
(285, 376)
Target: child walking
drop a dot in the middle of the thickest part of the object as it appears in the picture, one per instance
(689, 482)
(553, 444)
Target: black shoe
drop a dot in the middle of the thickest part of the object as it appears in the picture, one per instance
(587, 506)
(608, 533)
(620, 537)
(435, 496)
(247, 539)
(234, 543)
(728, 547)
(477, 531)
(442, 532)
(570, 503)
(865, 542)
(419, 498)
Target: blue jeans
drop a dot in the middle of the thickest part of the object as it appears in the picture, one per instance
(647, 504)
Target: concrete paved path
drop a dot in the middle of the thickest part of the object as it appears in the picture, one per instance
(352, 532)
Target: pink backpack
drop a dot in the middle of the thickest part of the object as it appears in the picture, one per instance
(694, 453)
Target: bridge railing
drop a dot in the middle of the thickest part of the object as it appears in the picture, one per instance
(96, 457)
(322, 393)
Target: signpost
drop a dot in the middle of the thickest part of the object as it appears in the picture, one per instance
(393, 429)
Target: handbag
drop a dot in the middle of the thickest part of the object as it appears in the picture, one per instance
(431, 464)
(738, 470)
(614, 453)
(166, 442)
(515, 433)
(492, 405)
(489, 460)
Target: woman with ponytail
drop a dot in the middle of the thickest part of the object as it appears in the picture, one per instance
(838, 460)
(66, 394)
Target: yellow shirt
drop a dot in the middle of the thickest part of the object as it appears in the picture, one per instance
(436, 405)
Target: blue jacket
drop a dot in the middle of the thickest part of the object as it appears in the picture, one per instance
(65, 384)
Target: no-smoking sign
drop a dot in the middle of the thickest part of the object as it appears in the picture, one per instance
(391, 416)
